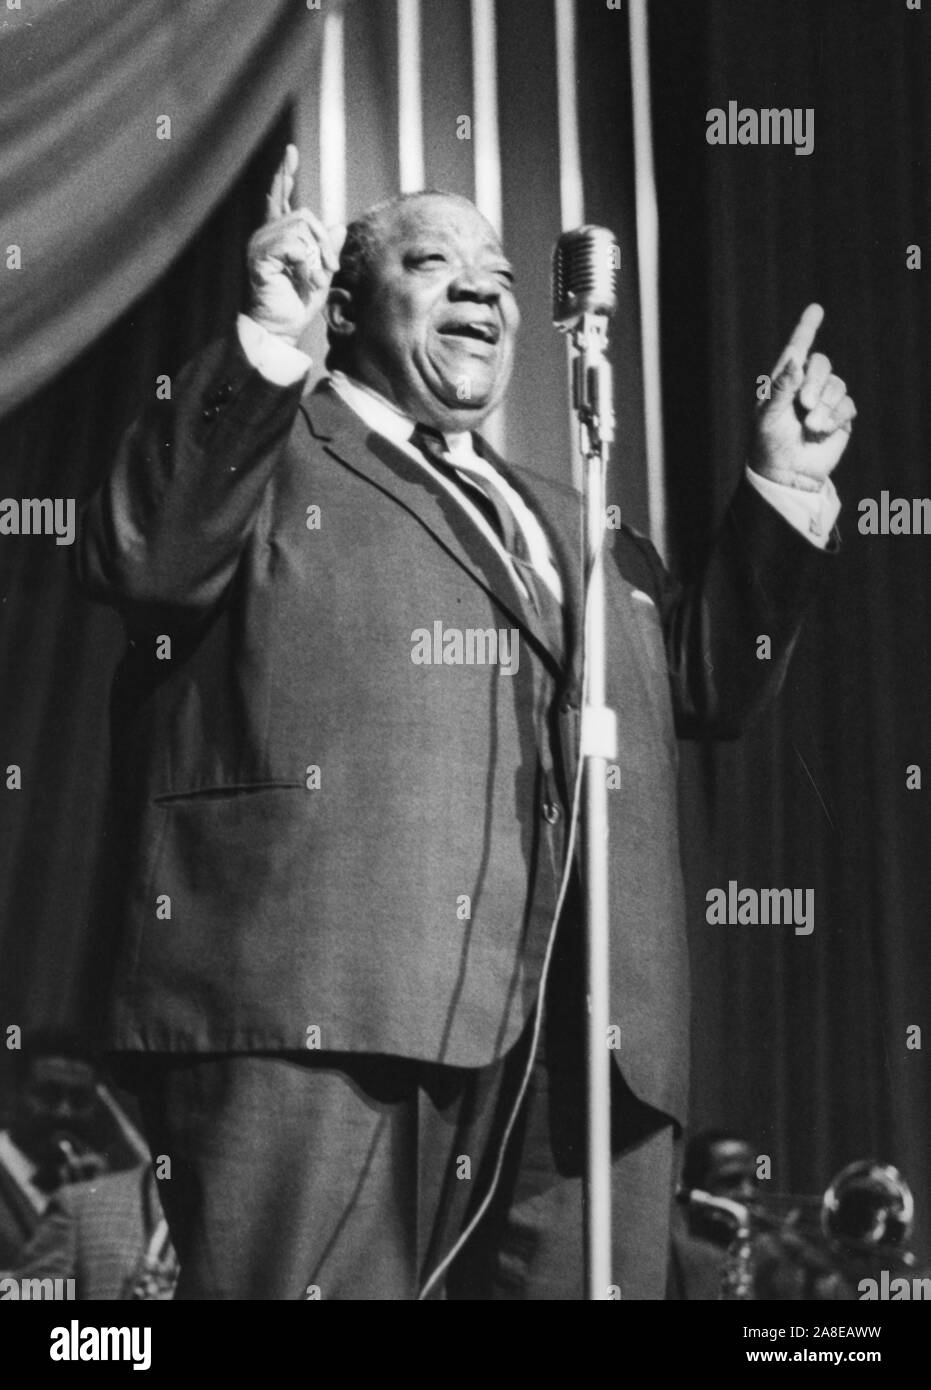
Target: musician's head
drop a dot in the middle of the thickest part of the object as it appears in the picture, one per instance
(721, 1163)
(55, 1100)
(422, 309)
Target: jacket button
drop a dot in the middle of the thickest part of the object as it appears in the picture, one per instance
(551, 812)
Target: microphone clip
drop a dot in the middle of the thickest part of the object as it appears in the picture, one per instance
(592, 385)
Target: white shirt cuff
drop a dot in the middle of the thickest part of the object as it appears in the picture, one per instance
(812, 513)
(272, 357)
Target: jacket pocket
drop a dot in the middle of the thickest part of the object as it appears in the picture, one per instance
(218, 793)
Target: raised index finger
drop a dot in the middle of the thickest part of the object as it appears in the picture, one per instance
(803, 335)
(278, 200)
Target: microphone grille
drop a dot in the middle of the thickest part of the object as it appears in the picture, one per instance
(584, 275)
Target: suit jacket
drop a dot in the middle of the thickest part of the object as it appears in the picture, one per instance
(399, 899)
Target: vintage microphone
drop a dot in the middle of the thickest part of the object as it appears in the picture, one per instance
(584, 297)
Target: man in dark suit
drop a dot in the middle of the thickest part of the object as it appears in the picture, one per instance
(346, 743)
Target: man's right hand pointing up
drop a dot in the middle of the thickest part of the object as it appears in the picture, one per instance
(291, 259)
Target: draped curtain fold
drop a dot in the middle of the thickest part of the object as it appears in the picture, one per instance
(802, 1042)
(120, 129)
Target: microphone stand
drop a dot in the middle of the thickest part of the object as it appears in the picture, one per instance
(592, 401)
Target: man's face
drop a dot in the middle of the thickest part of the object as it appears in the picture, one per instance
(58, 1102)
(732, 1171)
(436, 325)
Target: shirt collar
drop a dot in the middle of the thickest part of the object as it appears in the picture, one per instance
(383, 416)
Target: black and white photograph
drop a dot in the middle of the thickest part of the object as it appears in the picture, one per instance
(465, 665)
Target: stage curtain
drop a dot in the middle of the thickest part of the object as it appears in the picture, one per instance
(121, 127)
(802, 1042)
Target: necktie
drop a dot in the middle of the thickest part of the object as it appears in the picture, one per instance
(489, 499)
(492, 502)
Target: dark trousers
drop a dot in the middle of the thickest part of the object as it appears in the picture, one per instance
(350, 1177)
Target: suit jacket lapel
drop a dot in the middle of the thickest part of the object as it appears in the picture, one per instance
(348, 439)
